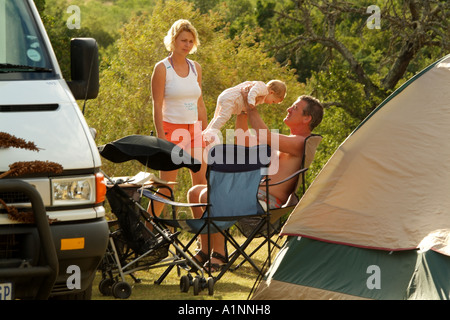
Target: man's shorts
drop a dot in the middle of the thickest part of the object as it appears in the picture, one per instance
(186, 136)
(274, 203)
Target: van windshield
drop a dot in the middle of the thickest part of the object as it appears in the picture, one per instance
(23, 54)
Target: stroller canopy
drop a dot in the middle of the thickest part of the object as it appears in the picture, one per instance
(155, 153)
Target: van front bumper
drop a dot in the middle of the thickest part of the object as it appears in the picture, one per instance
(79, 248)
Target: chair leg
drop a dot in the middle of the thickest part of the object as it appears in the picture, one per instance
(240, 250)
(250, 255)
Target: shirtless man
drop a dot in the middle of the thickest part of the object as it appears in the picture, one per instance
(302, 117)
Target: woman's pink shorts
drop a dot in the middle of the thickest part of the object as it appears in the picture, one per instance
(186, 136)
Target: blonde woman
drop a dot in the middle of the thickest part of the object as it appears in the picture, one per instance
(179, 112)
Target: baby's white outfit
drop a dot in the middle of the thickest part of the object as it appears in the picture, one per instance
(231, 102)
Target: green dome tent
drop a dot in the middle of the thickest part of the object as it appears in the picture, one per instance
(375, 223)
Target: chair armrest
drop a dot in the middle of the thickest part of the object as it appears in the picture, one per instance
(155, 197)
(289, 177)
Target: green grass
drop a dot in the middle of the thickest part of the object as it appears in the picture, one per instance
(234, 285)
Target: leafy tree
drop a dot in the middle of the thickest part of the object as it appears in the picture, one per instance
(100, 20)
(238, 16)
(411, 34)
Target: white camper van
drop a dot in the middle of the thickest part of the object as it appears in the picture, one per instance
(57, 252)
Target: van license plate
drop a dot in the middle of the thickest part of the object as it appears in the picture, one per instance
(6, 291)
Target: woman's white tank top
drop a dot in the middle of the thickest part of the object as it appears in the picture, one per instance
(181, 95)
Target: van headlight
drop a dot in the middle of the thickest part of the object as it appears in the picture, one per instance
(72, 191)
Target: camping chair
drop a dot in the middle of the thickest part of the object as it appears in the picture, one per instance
(279, 216)
(309, 152)
(234, 175)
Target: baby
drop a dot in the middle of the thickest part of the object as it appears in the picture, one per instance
(231, 102)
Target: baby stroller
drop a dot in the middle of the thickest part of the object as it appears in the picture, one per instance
(136, 241)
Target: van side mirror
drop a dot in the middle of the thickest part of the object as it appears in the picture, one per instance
(84, 68)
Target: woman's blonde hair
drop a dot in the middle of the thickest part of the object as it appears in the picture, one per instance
(174, 31)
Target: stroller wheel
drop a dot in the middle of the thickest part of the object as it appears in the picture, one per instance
(184, 283)
(105, 286)
(121, 290)
(196, 285)
(210, 283)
